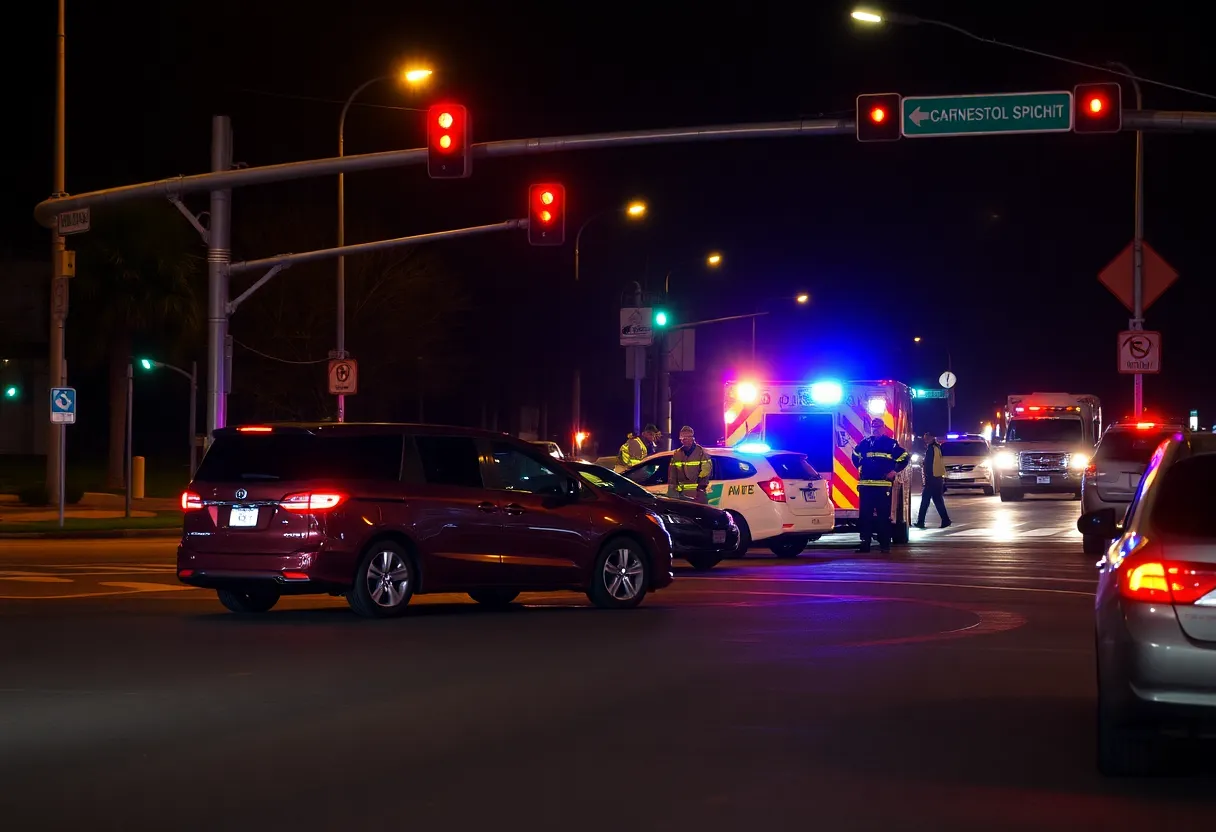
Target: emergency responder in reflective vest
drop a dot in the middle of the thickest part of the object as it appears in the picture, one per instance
(933, 472)
(878, 459)
(637, 448)
(690, 469)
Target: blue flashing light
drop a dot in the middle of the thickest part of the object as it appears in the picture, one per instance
(753, 448)
(826, 392)
(952, 436)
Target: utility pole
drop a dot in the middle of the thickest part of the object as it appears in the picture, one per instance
(1137, 321)
(637, 376)
(218, 257)
(56, 375)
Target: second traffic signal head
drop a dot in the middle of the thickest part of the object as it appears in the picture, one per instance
(661, 319)
(878, 117)
(1097, 108)
(449, 146)
(547, 214)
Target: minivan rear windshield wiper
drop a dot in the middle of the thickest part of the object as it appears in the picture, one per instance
(260, 477)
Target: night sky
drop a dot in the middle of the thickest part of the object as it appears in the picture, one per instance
(986, 247)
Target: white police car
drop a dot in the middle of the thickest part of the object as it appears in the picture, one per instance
(776, 497)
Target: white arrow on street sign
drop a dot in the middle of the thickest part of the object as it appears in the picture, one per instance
(917, 116)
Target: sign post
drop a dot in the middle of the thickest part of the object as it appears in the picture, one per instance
(63, 412)
(985, 115)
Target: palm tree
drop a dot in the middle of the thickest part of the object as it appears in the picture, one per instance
(138, 277)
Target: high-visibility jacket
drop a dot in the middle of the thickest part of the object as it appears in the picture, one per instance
(690, 470)
(935, 465)
(633, 452)
(877, 456)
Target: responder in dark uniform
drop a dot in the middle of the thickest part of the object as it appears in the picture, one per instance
(878, 459)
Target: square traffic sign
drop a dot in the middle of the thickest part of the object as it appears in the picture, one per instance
(63, 405)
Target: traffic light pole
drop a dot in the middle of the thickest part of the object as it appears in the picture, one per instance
(1137, 321)
(56, 438)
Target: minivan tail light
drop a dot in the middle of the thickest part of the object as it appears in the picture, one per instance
(775, 489)
(312, 501)
(1091, 470)
(191, 501)
(1165, 581)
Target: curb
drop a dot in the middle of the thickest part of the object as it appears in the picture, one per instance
(107, 534)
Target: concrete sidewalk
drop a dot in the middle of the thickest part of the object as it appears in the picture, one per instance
(93, 505)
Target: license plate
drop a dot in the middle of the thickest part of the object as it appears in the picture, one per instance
(243, 518)
(1042, 480)
(720, 537)
(809, 495)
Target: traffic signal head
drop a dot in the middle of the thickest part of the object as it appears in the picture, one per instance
(660, 318)
(147, 363)
(12, 392)
(1097, 108)
(547, 214)
(449, 150)
(878, 117)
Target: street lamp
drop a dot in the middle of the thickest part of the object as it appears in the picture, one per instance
(803, 298)
(192, 377)
(411, 76)
(714, 259)
(635, 210)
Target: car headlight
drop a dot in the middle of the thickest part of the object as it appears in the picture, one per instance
(1077, 462)
(1006, 461)
(915, 459)
(677, 520)
(985, 464)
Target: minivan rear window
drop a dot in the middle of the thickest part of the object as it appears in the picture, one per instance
(1183, 504)
(792, 467)
(1131, 446)
(245, 458)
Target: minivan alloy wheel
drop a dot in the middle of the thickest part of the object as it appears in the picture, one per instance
(623, 572)
(388, 578)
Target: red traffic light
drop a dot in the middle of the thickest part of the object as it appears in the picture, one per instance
(449, 147)
(1097, 108)
(878, 117)
(547, 214)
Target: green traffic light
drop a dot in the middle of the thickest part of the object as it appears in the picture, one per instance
(146, 363)
(11, 392)
(660, 318)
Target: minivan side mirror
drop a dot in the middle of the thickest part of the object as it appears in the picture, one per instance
(1103, 523)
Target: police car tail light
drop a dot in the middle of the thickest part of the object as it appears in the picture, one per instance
(775, 489)
(312, 501)
(1165, 581)
(191, 501)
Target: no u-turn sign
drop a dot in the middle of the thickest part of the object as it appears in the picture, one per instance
(1139, 352)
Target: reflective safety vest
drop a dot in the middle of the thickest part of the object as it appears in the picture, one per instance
(689, 471)
(936, 468)
(875, 457)
(633, 452)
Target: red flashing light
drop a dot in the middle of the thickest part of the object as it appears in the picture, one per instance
(312, 501)
(295, 576)
(547, 214)
(873, 117)
(185, 573)
(1145, 425)
(775, 489)
(191, 501)
(1034, 408)
(1097, 108)
(449, 145)
(254, 429)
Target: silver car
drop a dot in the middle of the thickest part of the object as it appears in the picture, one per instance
(1155, 610)
(968, 461)
(1113, 474)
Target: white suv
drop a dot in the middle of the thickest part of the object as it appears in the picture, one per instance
(776, 497)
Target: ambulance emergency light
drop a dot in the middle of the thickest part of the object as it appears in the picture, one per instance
(826, 392)
(876, 406)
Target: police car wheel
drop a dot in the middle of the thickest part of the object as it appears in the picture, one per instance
(789, 547)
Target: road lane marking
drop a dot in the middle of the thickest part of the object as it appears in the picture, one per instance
(144, 587)
(36, 579)
(887, 583)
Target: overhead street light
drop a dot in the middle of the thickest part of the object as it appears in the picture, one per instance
(411, 76)
(714, 259)
(636, 209)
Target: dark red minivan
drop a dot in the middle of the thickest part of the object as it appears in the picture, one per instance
(381, 512)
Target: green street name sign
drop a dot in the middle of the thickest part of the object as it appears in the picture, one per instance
(986, 115)
(930, 393)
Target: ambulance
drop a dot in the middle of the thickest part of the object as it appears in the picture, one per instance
(825, 420)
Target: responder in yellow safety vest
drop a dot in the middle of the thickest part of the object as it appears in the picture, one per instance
(637, 448)
(690, 469)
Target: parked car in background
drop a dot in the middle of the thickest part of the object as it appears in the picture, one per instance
(381, 512)
(551, 448)
(701, 534)
(776, 497)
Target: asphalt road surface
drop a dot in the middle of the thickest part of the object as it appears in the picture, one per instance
(946, 687)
